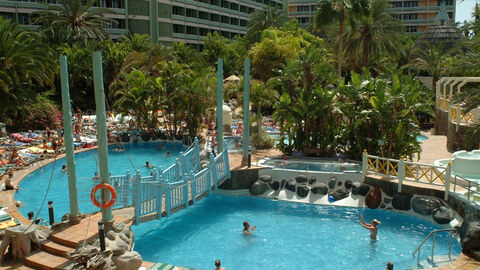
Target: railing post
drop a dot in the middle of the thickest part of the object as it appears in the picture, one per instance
(137, 198)
(178, 171)
(458, 114)
(159, 193)
(401, 173)
(168, 198)
(154, 175)
(193, 187)
(126, 189)
(227, 162)
(364, 162)
(197, 155)
(183, 163)
(214, 171)
(448, 175)
(185, 188)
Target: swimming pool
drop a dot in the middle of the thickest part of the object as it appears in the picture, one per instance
(34, 186)
(312, 164)
(288, 236)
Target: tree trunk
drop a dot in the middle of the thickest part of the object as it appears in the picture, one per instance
(340, 43)
(21, 240)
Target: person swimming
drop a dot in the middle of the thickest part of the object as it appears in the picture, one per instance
(148, 165)
(218, 265)
(168, 154)
(64, 168)
(246, 228)
(372, 227)
(96, 176)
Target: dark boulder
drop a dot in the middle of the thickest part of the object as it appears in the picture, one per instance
(425, 205)
(387, 200)
(339, 183)
(331, 184)
(145, 136)
(274, 184)
(265, 178)
(360, 189)
(402, 202)
(374, 198)
(125, 137)
(258, 188)
(320, 188)
(290, 185)
(443, 215)
(301, 179)
(312, 181)
(302, 191)
(339, 194)
(348, 184)
(470, 238)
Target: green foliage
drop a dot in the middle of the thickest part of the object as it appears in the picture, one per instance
(25, 64)
(262, 141)
(74, 20)
(216, 46)
(38, 112)
(262, 19)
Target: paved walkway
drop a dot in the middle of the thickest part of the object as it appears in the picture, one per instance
(435, 147)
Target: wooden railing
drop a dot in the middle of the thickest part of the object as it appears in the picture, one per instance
(407, 171)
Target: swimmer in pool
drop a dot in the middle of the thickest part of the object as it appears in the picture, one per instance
(372, 227)
(246, 228)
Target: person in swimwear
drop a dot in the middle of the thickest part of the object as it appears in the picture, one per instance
(372, 227)
(246, 228)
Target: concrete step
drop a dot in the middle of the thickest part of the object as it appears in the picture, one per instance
(46, 261)
(56, 249)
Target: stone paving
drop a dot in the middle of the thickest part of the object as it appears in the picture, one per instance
(435, 147)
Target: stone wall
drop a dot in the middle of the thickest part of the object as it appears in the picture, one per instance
(456, 138)
(241, 179)
(441, 122)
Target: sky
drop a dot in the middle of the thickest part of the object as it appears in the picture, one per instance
(464, 10)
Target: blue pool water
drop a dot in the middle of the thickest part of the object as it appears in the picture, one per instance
(318, 165)
(288, 236)
(421, 138)
(34, 186)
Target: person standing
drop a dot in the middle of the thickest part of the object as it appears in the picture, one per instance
(372, 227)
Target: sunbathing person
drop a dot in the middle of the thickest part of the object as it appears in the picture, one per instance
(15, 158)
(8, 183)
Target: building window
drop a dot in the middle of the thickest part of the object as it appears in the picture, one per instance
(411, 29)
(8, 16)
(410, 4)
(303, 19)
(447, 2)
(203, 15)
(243, 23)
(397, 4)
(303, 8)
(450, 15)
(225, 19)
(191, 13)
(313, 8)
(413, 16)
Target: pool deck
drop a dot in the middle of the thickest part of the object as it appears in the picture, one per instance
(430, 146)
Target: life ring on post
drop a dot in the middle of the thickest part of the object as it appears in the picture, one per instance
(107, 187)
(214, 136)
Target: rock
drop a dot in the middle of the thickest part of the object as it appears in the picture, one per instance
(111, 235)
(339, 194)
(374, 198)
(118, 227)
(312, 181)
(425, 205)
(130, 260)
(124, 238)
(387, 200)
(443, 215)
(331, 184)
(265, 178)
(290, 185)
(302, 191)
(320, 188)
(301, 179)
(470, 238)
(117, 251)
(339, 183)
(258, 188)
(360, 189)
(348, 184)
(402, 202)
(274, 184)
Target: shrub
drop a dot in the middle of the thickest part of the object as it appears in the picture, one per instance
(262, 141)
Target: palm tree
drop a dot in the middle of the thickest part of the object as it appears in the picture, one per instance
(374, 33)
(432, 60)
(264, 19)
(261, 95)
(77, 18)
(24, 61)
(332, 11)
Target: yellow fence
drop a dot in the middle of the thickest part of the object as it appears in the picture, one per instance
(425, 173)
(443, 104)
(387, 167)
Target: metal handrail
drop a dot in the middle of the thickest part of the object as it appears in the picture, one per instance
(452, 232)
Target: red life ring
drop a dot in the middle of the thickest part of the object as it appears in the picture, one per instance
(107, 187)
(214, 136)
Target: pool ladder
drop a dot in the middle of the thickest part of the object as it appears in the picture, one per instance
(417, 250)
